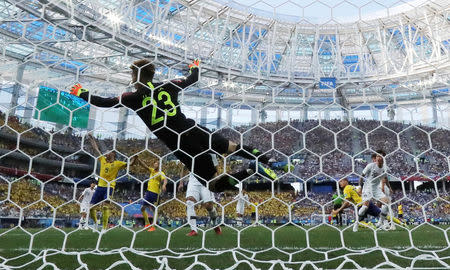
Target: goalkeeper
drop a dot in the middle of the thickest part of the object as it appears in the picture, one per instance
(157, 105)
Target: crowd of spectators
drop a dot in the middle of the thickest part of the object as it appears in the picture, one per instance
(326, 146)
(39, 200)
(332, 147)
(26, 194)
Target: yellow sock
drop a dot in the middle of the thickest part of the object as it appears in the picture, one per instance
(93, 215)
(145, 215)
(367, 225)
(105, 217)
(396, 220)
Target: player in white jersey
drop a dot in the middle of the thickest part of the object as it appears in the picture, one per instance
(198, 193)
(85, 199)
(242, 201)
(374, 172)
(385, 186)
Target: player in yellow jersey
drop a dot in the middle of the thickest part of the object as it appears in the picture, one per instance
(109, 168)
(400, 211)
(155, 186)
(352, 197)
(253, 207)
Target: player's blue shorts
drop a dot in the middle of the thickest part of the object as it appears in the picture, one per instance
(100, 194)
(150, 197)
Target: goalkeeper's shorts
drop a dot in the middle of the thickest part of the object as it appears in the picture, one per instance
(101, 194)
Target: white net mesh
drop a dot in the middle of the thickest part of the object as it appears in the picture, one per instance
(316, 86)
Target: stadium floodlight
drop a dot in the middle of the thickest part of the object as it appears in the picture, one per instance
(113, 17)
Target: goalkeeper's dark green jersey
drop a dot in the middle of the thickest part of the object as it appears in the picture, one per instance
(337, 200)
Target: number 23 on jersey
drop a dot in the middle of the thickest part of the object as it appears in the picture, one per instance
(164, 97)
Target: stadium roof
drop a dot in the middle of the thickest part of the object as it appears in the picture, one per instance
(246, 51)
(324, 12)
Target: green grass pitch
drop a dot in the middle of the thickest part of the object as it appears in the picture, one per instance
(259, 246)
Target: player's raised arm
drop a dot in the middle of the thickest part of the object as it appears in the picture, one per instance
(180, 184)
(133, 160)
(140, 162)
(388, 184)
(94, 144)
(383, 183)
(81, 195)
(192, 78)
(363, 174)
(164, 185)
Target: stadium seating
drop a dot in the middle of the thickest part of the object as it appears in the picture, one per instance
(336, 163)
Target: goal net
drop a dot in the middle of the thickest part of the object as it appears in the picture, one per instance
(288, 107)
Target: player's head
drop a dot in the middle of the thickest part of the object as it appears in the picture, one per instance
(155, 164)
(374, 157)
(142, 72)
(380, 157)
(92, 185)
(111, 156)
(343, 182)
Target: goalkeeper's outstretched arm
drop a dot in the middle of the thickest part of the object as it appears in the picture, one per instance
(190, 79)
(116, 102)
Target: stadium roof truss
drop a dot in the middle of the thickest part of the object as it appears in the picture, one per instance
(263, 58)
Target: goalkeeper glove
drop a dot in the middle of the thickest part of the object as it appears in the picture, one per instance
(194, 64)
(77, 90)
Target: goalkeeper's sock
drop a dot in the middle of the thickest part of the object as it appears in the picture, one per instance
(93, 215)
(251, 153)
(105, 218)
(192, 218)
(145, 215)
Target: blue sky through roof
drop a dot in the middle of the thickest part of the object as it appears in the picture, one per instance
(322, 11)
